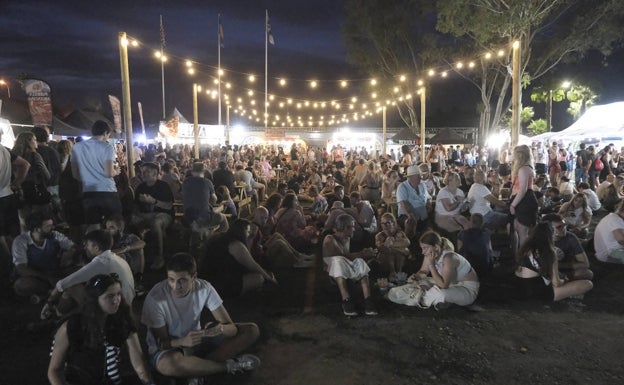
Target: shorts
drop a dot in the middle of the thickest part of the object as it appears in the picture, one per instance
(208, 345)
(98, 205)
(9, 219)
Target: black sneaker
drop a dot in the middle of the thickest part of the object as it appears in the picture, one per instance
(369, 307)
(348, 308)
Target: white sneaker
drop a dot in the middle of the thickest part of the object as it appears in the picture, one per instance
(242, 363)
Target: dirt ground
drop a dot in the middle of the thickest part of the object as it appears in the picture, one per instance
(306, 339)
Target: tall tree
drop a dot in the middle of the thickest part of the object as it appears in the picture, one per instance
(384, 39)
(551, 32)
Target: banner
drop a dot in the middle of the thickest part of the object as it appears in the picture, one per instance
(170, 128)
(39, 101)
(116, 107)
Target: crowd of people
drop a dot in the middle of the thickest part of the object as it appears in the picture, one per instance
(360, 215)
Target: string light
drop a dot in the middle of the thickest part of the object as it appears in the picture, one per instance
(283, 101)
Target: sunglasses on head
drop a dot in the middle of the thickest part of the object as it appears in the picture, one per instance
(99, 280)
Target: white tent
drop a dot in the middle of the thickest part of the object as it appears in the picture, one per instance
(604, 121)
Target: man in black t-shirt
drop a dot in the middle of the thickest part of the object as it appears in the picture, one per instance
(153, 208)
(572, 259)
(198, 196)
(224, 177)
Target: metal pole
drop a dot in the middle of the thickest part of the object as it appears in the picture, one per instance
(423, 112)
(125, 92)
(515, 95)
(195, 122)
(219, 65)
(383, 151)
(266, 67)
(162, 69)
(227, 125)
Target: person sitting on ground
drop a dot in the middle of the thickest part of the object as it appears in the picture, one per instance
(198, 196)
(154, 209)
(611, 194)
(551, 202)
(454, 281)
(413, 202)
(228, 264)
(272, 205)
(592, 199)
(41, 257)
(343, 264)
(338, 195)
(128, 246)
(481, 200)
(429, 179)
(475, 244)
(601, 189)
(87, 346)
(390, 183)
(363, 212)
(328, 188)
(577, 215)
(291, 223)
(69, 291)
(572, 261)
(274, 249)
(177, 343)
(223, 177)
(566, 188)
(537, 269)
(450, 203)
(392, 245)
(229, 207)
(319, 203)
(609, 236)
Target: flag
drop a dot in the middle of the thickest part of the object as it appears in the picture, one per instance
(116, 107)
(220, 33)
(39, 101)
(268, 29)
(162, 34)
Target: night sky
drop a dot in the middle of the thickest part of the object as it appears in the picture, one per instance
(73, 46)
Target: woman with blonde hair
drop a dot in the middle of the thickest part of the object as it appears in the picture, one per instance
(453, 280)
(450, 203)
(524, 205)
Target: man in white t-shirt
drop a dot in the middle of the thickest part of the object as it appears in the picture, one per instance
(609, 236)
(481, 199)
(177, 344)
(93, 164)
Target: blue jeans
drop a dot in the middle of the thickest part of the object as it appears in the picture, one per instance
(580, 175)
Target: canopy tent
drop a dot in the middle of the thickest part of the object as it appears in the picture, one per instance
(59, 127)
(406, 136)
(176, 112)
(604, 121)
(83, 120)
(446, 136)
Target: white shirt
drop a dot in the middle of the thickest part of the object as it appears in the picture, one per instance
(592, 200)
(478, 203)
(604, 240)
(445, 193)
(179, 315)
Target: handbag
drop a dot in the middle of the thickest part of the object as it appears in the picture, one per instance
(410, 294)
(598, 165)
(35, 193)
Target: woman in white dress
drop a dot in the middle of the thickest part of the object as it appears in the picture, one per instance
(450, 203)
